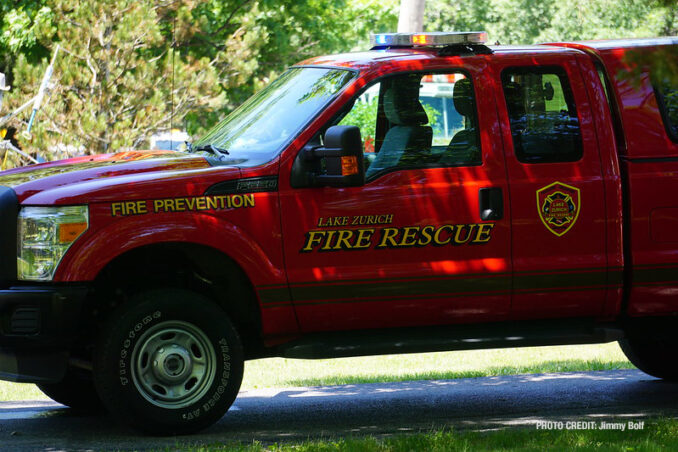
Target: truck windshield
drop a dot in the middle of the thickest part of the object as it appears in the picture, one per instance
(259, 129)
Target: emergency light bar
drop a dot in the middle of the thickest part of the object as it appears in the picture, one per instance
(428, 39)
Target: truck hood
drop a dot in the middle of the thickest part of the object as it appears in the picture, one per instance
(102, 177)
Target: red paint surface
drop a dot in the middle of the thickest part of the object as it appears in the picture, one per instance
(266, 240)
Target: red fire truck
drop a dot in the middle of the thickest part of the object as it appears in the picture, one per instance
(511, 196)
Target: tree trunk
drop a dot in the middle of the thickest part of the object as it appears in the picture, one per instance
(411, 17)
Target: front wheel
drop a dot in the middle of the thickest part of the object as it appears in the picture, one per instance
(168, 362)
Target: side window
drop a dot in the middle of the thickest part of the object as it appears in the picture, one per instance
(417, 120)
(542, 114)
(667, 99)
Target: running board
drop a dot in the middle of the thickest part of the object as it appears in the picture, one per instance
(447, 338)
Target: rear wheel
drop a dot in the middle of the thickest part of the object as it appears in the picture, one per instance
(76, 390)
(169, 362)
(653, 354)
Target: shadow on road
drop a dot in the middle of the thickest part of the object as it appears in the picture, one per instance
(290, 414)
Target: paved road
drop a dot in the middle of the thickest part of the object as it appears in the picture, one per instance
(280, 415)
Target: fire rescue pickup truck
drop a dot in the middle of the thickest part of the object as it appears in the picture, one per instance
(433, 193)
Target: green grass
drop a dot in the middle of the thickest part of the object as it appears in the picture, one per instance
(19, 391)
(280, 372)
(658, 435)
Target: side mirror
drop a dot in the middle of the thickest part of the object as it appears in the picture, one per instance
(339, 163)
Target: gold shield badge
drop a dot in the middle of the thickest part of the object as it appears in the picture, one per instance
(558, 205)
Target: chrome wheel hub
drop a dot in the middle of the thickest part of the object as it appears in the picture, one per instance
(173, 364)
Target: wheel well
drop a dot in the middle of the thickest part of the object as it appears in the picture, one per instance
(182, 265)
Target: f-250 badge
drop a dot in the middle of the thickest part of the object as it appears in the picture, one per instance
(558, 205)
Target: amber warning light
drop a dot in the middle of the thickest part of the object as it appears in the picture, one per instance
(349, 165)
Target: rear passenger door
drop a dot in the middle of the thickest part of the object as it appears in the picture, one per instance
(556, 189)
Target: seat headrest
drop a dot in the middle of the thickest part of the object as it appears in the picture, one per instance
(463, 97)
(401, 103)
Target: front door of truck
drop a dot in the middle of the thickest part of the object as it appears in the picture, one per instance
(411, 246)
(556, 189)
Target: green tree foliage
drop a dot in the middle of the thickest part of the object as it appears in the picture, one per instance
(533, 21)
(110, 93)
(23, 24)
(664, 63)
(115, 73)
(114, 79)
(364, 116)
(274, 34)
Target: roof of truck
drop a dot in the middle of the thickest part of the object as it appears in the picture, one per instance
(404, 48)
(371, 58)
(608, 44)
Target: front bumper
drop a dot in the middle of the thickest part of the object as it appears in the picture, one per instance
(38, 324)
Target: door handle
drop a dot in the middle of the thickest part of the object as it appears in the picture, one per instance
(491, 203)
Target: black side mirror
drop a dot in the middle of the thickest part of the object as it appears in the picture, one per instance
(339, 163)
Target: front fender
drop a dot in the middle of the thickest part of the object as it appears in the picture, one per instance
(261, 260)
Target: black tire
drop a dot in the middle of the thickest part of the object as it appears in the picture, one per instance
(76, 390)
(653, 355)
(168, 362)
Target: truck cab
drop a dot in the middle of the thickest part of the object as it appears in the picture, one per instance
(432, 193)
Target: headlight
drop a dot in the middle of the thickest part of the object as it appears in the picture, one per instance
(45, 234)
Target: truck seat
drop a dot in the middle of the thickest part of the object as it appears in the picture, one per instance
(408, 141)
(463, 149)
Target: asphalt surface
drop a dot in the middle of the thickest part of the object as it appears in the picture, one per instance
(382, 409)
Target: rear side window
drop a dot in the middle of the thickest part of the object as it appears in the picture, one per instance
(542, 114)
(667, 99)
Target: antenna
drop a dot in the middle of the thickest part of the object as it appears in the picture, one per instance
(174, 51)
(44, 86)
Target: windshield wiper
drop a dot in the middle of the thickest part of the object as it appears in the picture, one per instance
(207, 148)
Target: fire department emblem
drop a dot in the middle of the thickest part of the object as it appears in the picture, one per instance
(558, 205)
